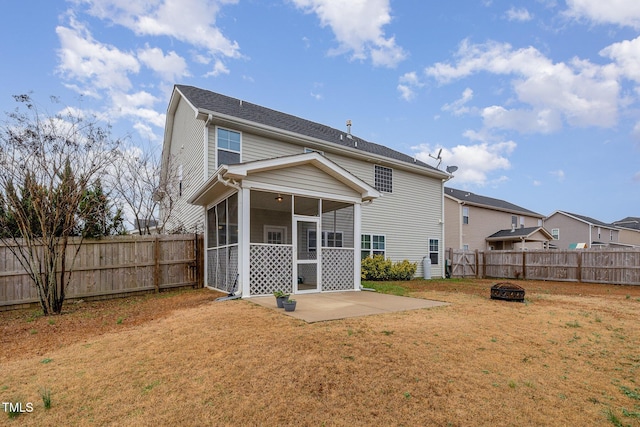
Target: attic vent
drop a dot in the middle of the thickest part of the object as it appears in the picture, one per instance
(241, 102)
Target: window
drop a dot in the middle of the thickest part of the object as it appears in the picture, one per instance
(521, 222)
(434, 251)
(514, 221)
(539, 223)
(383, 179)
(372, 244)
(228, 143)
(555, 232)
(330, 239)
(599, 231)
(275, 234)
(465, 215)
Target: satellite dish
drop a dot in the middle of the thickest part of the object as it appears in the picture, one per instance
(451, 169)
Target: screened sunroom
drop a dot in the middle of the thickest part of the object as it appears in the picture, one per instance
(266, 233)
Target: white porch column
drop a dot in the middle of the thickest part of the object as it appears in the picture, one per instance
(244, 233)
(205, 270)
(357, 229)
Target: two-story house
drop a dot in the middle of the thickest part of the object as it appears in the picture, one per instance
(573, 231)
(475, 222)
(289, 204)
(629, 230)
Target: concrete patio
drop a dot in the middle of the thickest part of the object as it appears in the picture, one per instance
(319, 307)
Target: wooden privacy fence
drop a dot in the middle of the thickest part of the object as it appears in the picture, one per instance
(613, 266)
(112, 267)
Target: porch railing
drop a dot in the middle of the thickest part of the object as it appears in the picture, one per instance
(270, 268)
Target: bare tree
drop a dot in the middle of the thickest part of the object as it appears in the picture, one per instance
(48, 163)
(146, 194)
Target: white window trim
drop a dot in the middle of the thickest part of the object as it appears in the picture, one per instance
(430, 251)
(465, 208)
(555, 233)
(217, 148)
(276, 228)
(325, 239)
(371, 249)
(375, 168)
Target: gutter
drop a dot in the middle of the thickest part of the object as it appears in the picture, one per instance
(352, 151)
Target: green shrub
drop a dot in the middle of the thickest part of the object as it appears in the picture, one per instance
(379, 268)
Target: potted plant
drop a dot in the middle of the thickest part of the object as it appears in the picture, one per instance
(280, 297)
(289, 305)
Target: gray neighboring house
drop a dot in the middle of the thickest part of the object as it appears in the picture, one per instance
(475, 222)
(574, 231)
(293, 205)
(629, 230)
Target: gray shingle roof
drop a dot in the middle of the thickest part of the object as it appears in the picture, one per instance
(213, 102)
(629, 222)
(589, 220)
(487, 201)
(518, 232)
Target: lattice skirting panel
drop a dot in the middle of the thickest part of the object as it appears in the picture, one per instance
(337, 269)
(270, 269)
(222, 268)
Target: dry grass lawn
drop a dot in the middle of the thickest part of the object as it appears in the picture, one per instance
(569, 355)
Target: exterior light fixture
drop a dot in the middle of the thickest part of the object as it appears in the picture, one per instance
(279, 198)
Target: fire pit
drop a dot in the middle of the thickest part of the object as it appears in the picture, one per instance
(507, 291)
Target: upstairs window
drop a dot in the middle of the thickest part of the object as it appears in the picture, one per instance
(228, 147)
(465, 215)
(383, 179)
(555, 232)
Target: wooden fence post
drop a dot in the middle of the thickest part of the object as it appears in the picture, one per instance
(156, 270)
(484, 265)
(477, 263)
(524, 265)
(579, 272)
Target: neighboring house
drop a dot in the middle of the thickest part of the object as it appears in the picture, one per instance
(289, 204)
(629, 230)
(475, 222)
(571, 231)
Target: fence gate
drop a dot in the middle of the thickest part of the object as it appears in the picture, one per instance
(464, 264)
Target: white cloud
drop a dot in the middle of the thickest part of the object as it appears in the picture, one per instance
(520, 15)
(626, 55)
(620, 12)
(458, 107)
(476, 163)
(581, 93)
(358, 28)
(190, 21)
(218, 68)
(92, 63)
(170, 67)
(408, 84)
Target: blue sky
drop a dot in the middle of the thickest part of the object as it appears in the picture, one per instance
(536, 102)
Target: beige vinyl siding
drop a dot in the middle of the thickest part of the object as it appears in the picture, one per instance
(408, 217)
(629, 237)
(484, 222)
(305, 177)
(453, 224)
(187, 149)
(256, 147)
